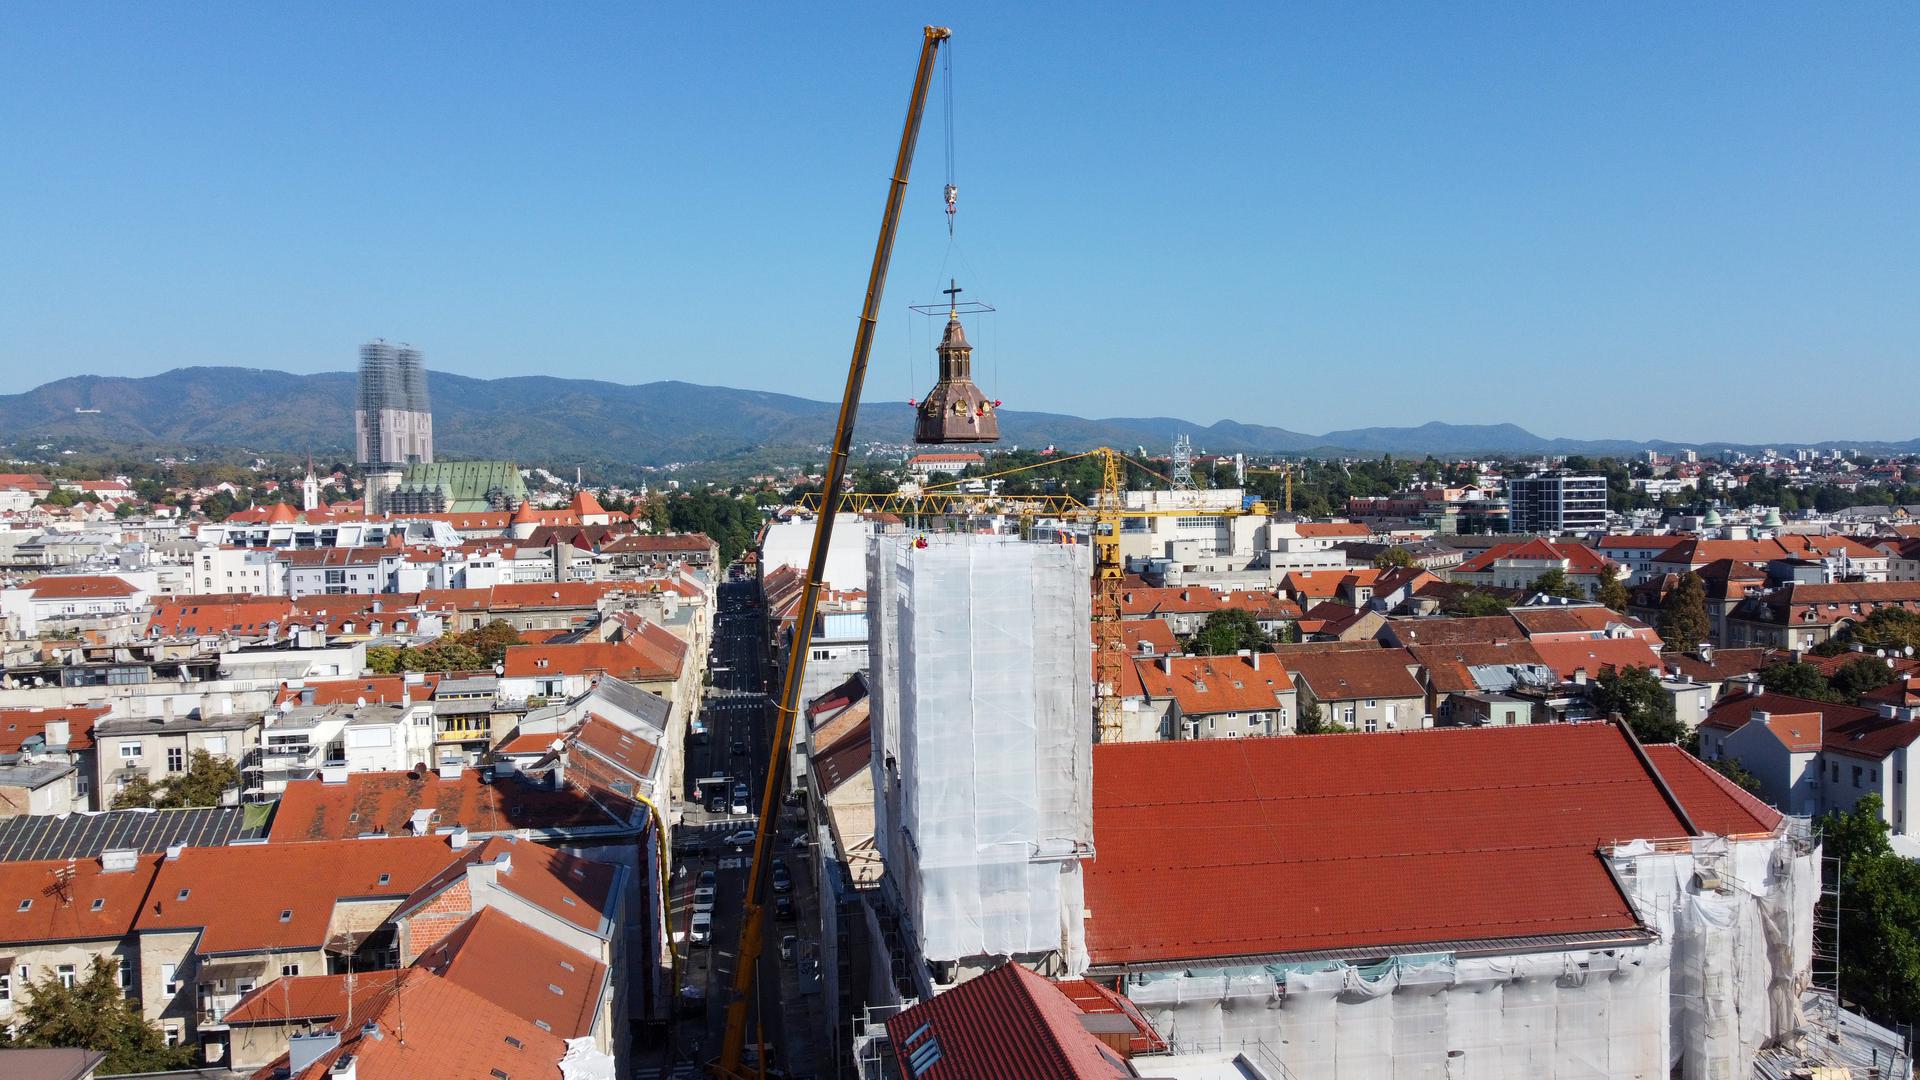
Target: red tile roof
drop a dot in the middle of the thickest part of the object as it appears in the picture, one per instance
(522, 970)
(571, 888)
(432, 1027)
(17, 725)
(1308, 585)
(1716, 804)
(1447, 665)
(1592, 620)
(1366, 673)
(661, 542)
(385, 802)
(78, 587)
(224, 897)
(323, 998)
(1302, 843)
(208, 615)
(1566, 657)
(1008, 1024)
(1143, 632)
(1456, 631)
(630, 661)
(57, 913)
(376, 689)
(1188, 601)
(1579, 558)
(1732, 713)
(614, 744)
(1323, 529)
(1215, 684)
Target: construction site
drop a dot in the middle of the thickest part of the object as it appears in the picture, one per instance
(1025, 884)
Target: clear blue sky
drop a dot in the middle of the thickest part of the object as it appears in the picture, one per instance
(1640, 220)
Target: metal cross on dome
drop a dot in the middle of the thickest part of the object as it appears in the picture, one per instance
(953, 291)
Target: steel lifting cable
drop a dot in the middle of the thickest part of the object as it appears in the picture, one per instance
(952, 191)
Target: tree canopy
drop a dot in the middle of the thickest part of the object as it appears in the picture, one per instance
(473, 650)
(1393, 558)
(95, 1014)
(1879, 914)
(1555, 582)
(1228, 630)
(1613, 591)
(1646, 706)
(1683, 617)
(207, 778)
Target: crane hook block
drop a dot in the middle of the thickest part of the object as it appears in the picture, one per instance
(953, 200)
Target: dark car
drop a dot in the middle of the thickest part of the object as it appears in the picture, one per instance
(783, 908)
(782, 881)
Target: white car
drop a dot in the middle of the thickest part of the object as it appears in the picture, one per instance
(702, 930)
(703, 898)
(741, 840)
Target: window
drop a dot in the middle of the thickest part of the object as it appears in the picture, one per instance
(66, 975)
(1373, 723)
(6, 988)
(123, 973)
(183, 894)
(98, 903)
(129, 751)
(176, 759)
(172, 1035)
(1373, 703)
(169, 975)
(217, 744)
(286, 914)
(1856, 776)
(25, 905)
(289, 970)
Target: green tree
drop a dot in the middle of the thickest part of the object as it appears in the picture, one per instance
(1797, 679)
(95, 1014)
(1737, 773)
(207, 778)
(1613, 591)
(1555, 582)
(1683, 617)
(1879, 914)
(446, 654)
(1393, 558)
(1892, 629)
(384, 659)
(492, 640)
(1228, 630)
(1312, 721)
(1858, 676)
(1474, 604)
(1637, 696)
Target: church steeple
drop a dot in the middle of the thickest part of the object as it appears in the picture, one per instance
(955, 410)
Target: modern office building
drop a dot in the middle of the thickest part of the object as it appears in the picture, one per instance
(393, 421)
(1558, 502)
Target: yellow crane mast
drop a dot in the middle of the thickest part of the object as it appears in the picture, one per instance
(730, 1065)
(1107, 515)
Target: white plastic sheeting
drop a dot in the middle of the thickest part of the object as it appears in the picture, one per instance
(1722, 981)
(1740, 916)
(1553, 1014)
(984, 706)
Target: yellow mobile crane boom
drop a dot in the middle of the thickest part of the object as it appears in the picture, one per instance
(1107, 516)
(729, 1066)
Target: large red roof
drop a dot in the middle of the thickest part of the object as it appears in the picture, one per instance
(218, 613)
(19, 724)
(384, 802)
(79, 587)
(1716, 804)
(1302, 843)
(522, 970)
(1595, 656)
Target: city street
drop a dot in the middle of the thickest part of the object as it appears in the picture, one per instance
(732, 749)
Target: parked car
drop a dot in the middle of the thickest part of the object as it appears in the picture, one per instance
(740, 799)
(703, 899)
(702, 929)
(782, 881)
(707, 878)
(783, 908)
(689, 843)
(786, 946)
(717, 803)
(741, 840)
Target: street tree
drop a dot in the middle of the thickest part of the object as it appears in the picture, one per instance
(1228, 630)
(1646, 706)
(1613, 591)
(95, 1014)
(1683, 617)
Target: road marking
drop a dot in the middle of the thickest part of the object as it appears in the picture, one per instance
(733, 864)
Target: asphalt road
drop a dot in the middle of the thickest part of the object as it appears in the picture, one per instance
(736, 714)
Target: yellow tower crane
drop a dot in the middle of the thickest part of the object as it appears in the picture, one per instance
(1107, 517)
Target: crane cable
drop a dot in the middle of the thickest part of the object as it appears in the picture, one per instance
(952, 191)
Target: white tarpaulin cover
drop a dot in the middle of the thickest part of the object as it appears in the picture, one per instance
(1722, 981)
(981, 651)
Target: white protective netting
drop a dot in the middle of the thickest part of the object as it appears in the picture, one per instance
(1721, 982)
(981, 650)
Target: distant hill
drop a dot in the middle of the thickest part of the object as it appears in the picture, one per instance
(553, 420)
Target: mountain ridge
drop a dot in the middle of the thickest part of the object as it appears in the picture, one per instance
(550, 418)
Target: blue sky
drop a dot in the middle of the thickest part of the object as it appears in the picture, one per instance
(1638, 220)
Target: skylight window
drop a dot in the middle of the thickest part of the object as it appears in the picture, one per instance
(183, 894)
(26, 905)
(386, 879)
(924, 1057)
(98, 904)
(515, 1043)
(286, 914)
(566, 965)
(543, 1025)
(556, 990)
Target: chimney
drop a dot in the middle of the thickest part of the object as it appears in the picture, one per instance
(1706, 651)
(1254, 659)
(344, 1068)
(306, 695)
(449, 770)
(1166, 663)
(58, 734)
(457, 839)
(1579, 676)
(166, 710)
(304, 1050)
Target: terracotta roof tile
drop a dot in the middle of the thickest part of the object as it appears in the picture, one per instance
(1715, 803)
(1215, 684)
(1343, 676)
(385, 802)
(19, 724)
(1333, 841)
(322, 998)
(522, 970)
(1008, 1024)
(35, 906)
(1595, 656)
